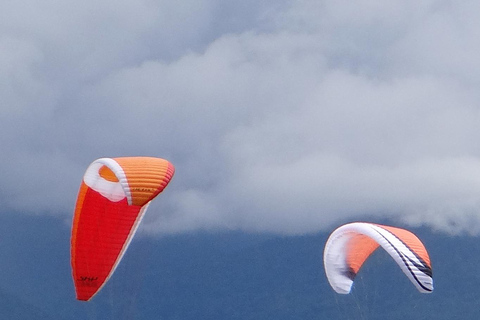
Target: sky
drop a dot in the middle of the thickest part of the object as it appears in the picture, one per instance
(284, 117)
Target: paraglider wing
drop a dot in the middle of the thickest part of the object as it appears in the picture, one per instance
(113, 197)
(350, 245)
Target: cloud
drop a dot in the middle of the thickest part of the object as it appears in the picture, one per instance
(279, 117)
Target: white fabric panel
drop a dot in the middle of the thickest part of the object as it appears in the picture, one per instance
(113, 191)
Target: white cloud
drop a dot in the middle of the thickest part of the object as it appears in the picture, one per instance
(279, 117)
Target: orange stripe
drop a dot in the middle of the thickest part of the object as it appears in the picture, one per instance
(359, 247)
(411, 241)
(146, 176)
(76, 217)
(107, 174)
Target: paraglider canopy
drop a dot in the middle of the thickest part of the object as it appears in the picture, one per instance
(350, 245)
(113, 197)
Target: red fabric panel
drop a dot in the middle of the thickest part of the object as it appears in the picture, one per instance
(102, 230)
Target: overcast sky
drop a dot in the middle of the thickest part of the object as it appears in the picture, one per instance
(279, 116)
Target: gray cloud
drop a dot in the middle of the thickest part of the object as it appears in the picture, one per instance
(285, 117)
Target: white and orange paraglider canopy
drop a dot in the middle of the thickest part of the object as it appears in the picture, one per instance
(350, 245)
(113, 197)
